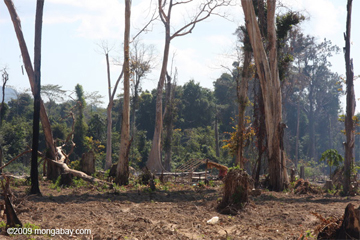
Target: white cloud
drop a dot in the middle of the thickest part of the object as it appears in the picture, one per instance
(219, 40)
(97, 19)
(325, 15)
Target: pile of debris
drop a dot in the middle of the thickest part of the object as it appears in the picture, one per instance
(304, 187)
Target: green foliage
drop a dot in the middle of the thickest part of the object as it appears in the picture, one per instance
(79, 182)
(56, 184)
(75, 165)
(285, 22)
(97, 127)
(80, 125)
(332, 157)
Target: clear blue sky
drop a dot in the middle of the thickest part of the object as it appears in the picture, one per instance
(72, 30)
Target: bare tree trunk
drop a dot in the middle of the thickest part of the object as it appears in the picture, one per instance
(30, 72)
(217, 147)
(259, 125)
(270, 85)
(108, 159)
(242, 85)
(122, 171)
(34, 174)
(5, 78)
(1, 158)
(135, 105)
(297, 134)
(350, 105)
(311, 150)
(154, 161)
(168, 122)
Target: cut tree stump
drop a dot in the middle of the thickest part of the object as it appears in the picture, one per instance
(328, 185)
(12, 219)
(87, 163)
(236, 188)
(292, 175)
(302, 172)
(350, 228)
(66, 179)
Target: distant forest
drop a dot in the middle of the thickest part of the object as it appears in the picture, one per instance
(311, 111)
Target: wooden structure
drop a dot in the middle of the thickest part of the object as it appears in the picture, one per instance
(187, 170)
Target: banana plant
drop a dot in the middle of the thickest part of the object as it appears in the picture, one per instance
(332, 158)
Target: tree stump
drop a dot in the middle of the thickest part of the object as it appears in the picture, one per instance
(328, 185)
(302, 172)
(292, 175)
(347, 227)
(350, 228)
(236, 186)
(87, 163)
(12, 219)
(66, 179)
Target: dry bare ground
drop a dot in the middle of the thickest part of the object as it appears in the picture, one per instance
(171, 212)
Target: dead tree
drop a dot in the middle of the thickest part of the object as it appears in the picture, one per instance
(122, 171)
(206, 9)
(350, 105)
(34, 174)
(5, 79)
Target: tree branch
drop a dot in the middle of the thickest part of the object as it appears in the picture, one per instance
(205, 8)
(178, 3)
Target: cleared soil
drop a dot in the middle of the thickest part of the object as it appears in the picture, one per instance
(173, 211)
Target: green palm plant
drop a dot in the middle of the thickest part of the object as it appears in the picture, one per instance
(332, 158)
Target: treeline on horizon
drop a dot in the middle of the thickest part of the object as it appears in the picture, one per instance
(311, 111)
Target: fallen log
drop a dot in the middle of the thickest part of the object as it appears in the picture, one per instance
(65, 169)
(62, 168)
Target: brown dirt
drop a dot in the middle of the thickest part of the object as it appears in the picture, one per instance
(175, 212)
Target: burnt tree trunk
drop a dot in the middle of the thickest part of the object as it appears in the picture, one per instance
(34, 174)
(350, 105)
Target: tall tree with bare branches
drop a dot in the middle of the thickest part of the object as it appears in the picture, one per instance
(108, 160)
(205, 9)
(266, 65)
